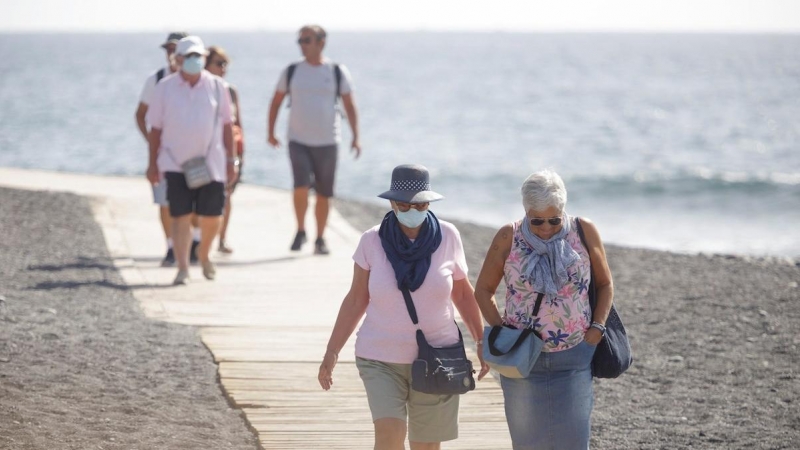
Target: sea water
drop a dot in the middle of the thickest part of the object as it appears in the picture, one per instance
(681, 142)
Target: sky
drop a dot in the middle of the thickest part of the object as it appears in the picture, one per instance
(433, 15)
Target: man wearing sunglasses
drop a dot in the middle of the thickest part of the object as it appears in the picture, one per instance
(314, 84)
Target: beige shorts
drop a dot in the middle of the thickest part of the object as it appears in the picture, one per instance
(431, 418)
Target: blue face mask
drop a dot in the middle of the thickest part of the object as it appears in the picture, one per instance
(411, 218)
(193, 65)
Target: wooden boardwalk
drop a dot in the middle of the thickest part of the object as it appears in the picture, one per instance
(267, 317)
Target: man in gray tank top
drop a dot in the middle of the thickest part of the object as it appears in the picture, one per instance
(314, 86)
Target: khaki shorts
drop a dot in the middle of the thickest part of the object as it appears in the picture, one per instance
(431, 418)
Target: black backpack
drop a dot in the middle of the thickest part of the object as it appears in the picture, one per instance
(160, 74)
(337, 74)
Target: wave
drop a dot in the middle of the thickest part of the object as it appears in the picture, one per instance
(698, 181)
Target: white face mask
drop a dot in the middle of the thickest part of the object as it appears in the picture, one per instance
(411, 218)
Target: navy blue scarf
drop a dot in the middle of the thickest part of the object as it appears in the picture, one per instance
(410, 260)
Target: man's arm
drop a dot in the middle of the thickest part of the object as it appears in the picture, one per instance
(277, 99)
(141, 112)
(352, 118)
(154, 139)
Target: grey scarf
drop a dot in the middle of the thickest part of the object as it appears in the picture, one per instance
(547, 264)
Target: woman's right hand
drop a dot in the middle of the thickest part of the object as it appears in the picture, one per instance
(326, 370)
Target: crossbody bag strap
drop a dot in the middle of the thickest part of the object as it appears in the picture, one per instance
(216, 119)
(495, 332)
(412, 312)
(592, 288)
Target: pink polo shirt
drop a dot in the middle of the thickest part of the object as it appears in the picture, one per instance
(387, 333)
(185, 116)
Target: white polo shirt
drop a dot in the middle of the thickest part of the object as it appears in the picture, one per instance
(185, 116)
(150, 85)
(313, 118)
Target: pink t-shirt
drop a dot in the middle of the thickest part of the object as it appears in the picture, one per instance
(387, 333)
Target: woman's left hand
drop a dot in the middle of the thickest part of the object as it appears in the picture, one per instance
(592, 336)
(484, 367)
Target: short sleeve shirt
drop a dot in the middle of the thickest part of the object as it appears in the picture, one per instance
(150, 85)
(185, 116)
(387, 333)
(314, 119)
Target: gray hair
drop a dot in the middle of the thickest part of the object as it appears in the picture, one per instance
(318, 31)
(542, 190)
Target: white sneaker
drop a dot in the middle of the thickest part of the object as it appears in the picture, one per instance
(182, 278)
(209, 271)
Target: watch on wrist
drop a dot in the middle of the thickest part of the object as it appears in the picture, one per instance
(599, 327)
(234, 161)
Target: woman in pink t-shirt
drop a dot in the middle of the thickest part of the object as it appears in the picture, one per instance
(411, 247)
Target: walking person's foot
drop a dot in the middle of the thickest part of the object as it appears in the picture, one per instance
(209, 270)
(299, 240)
(193, 259)
(320, 248)
(169, 259)
(223, 247)
(182, 278)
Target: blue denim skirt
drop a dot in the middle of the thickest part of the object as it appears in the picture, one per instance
(551, 408)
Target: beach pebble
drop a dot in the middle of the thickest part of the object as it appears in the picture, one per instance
(675, 358)
(50, 336)
(763, 313)
(793, 284)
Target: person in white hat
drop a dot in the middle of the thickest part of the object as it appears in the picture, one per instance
(160, 189)
(190, 115)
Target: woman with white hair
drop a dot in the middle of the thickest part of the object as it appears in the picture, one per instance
(542, 257)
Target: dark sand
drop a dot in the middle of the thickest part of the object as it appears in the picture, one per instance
(715, 340)
(81, 367)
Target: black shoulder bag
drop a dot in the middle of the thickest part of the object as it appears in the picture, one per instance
(613, 355)
(439, 370)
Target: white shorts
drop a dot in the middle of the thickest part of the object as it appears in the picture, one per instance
(160, 194)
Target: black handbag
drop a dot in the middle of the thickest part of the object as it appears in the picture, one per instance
(439, 370)
(613, 355)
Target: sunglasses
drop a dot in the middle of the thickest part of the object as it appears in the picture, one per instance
(403, 207)
(305, 40)
(538, 221)
(221, 64)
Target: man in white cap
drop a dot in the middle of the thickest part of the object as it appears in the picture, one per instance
(160, 189)
(191, 147)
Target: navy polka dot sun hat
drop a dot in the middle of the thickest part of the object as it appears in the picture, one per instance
(411, 184)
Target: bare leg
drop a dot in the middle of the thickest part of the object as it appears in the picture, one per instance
(390, 434)
(182, 239)
(209, 227)
(426, 445)
(225, 219)
(166, 221)
(301, 206)
(321, 212)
